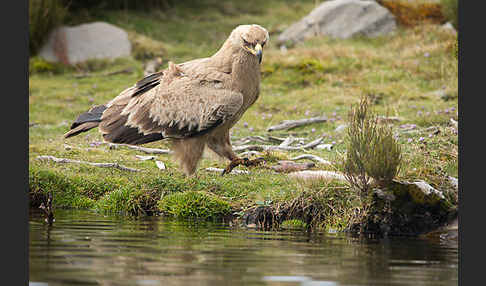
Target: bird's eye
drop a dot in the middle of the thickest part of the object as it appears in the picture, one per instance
(245, 41)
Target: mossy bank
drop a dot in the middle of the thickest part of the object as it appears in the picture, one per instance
(410, 75)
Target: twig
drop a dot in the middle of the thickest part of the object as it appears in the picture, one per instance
(327, 147)
(280, 148)
(138, 148)
(288, 141)
(248, 139)
(311, 157)
(127, 70)
(289, 124)
(408, 131)
(145, 158)
(218, 170)
(276, 139)
(103, 165)
(250, 153)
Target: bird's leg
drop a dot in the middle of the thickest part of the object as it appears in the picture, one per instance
(221, 145)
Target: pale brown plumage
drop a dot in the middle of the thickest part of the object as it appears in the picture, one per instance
(194, 104)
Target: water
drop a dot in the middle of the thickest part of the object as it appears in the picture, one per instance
(85, 248)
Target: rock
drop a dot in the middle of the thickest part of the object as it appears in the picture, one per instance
(341, 19)
(160, 165)
(407, 208)
(98, 40)
(290, 166)
(449, 27)
(421, 193)
(318, 175)
(454, 182)
(341, 128)
(261, 217)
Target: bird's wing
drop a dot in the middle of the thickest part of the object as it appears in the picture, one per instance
(178, 106)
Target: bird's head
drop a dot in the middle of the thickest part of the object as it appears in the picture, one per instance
(251, 38)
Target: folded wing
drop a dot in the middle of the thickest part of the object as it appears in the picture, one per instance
(170, 105)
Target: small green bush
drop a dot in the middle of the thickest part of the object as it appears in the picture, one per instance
(193, 204)
(39, 65)
(372, 151)
(450, 11)
(145, 48)
(44, 15)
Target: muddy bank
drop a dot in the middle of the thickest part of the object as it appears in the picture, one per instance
(404, 209)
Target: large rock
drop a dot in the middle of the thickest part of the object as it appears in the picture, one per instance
(341, 19)
(76, 44)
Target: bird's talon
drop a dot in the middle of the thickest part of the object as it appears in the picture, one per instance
(253, 162)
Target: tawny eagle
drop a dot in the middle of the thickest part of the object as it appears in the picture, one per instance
(193, 104)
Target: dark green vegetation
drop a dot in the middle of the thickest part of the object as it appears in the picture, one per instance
(44, 15)
(411, 75)
(371, 150)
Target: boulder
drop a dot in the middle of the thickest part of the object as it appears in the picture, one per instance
(98, 40)
(341, 19)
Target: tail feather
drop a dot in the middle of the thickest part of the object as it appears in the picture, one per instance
(86, 121)
(81, 128)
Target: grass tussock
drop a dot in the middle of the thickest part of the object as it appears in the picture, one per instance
(44, 15)
(319, 206)
(372, 151)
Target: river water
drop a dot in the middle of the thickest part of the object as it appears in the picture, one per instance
(86, 248)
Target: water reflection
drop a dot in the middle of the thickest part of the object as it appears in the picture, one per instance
(84, 248)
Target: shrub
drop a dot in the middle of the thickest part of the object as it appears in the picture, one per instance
(450, 10)
(411, 13)
(145, 48)
(44, 15)
(372, 151)
(39, 65)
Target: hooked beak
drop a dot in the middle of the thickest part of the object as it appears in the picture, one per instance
(257, 51)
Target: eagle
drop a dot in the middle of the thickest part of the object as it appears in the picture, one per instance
(193, 104)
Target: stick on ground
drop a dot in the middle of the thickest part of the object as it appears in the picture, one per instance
(311, 157)
(289, 124)
(138, 148)
(103, 165)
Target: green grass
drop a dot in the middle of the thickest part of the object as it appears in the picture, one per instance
(321, 76)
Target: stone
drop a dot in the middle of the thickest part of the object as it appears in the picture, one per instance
(449, 27)
(317, 175)
(341, 19)
(341, 128)
(97, 40)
